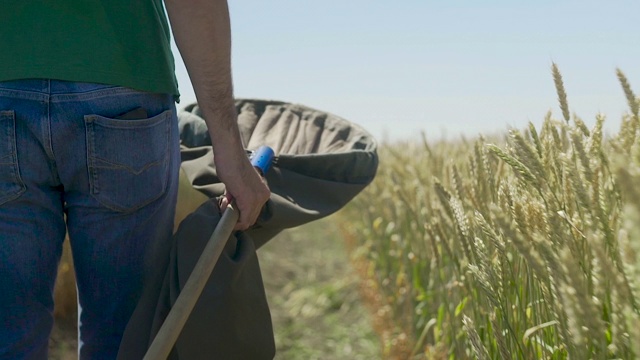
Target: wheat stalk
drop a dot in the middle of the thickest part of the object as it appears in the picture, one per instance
(562, 95)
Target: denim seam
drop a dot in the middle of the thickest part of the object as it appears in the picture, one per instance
(46, 134)
(91, 168)
(13, 156)
(49, 136)
(80, 96)
(94, 94)
(24, 94)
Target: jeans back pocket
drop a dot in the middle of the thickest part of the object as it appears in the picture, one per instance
(128, 160)
(11, 185)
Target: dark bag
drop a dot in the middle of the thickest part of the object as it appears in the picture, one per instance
(231, 319)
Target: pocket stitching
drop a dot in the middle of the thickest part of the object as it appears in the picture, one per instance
(112, 165)
(8, 156)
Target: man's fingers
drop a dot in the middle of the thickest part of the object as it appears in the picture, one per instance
(246, 218)
(242, 224)
(224, 201)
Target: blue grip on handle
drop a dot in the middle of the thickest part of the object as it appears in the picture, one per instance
(261, 159)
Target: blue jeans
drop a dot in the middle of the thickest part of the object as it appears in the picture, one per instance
(75, 157)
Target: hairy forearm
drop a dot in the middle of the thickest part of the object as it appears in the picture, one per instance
(202, 33)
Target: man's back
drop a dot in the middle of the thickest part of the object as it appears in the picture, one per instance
(117, 42)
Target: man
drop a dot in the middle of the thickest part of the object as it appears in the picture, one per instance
(89, 145)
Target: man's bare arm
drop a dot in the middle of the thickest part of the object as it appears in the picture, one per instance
(202, 32)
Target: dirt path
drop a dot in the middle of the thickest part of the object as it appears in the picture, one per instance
(313, 297)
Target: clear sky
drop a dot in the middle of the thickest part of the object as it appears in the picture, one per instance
(442, 67)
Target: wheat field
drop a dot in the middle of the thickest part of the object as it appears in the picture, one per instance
(516, 247)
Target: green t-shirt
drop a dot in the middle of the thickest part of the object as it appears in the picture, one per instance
(119, 42)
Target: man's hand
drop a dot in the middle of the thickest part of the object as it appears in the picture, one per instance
(247, 198)
(243, 184)
(202, 32)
